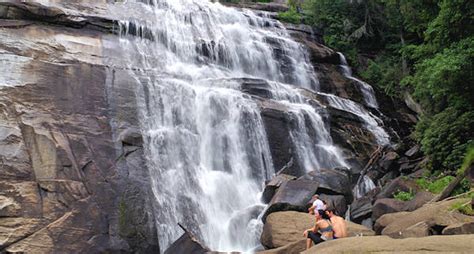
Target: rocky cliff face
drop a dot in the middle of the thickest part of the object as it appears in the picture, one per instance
(72, 173)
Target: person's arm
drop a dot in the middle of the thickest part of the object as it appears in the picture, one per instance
(311, 209)
(313, 229)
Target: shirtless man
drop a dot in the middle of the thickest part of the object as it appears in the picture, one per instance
(339, 225)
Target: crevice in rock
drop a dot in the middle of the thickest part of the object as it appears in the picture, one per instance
(436, 229)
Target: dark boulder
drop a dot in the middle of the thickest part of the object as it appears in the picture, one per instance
(292, 196)
(459, 229)
(257, 87)
(361, 209)
(337, 201)
(397, 185)
(187, 244)
(389, 205)
(131, 137)
(331, 181)
(277, 123)
(272, 186)
(388, 162)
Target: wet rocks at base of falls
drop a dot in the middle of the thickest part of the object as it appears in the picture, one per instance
(272, 186)
(292, 195)
(187, 244)
(331, 181)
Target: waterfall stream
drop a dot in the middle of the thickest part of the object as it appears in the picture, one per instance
(205, 141)
(366, 89)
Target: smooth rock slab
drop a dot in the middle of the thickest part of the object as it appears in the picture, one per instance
(283, 228)
(384, 244)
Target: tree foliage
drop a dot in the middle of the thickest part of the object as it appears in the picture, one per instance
(425, 47)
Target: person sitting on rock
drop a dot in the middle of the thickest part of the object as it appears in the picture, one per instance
(339, 225)
(318, 204)
(321, 231)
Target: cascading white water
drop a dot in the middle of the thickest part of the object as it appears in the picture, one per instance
(366, 89)
(205, 142)
(365, 186)
(372, 122)
(310, 133)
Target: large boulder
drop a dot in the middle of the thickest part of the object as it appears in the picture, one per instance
(389, 205)
(272, 186)
(430, 219)
(361, 209)
(387, 219)
(384, 244)
(337, 201)
(292, 196)
(283, 228)
(354, 229)
(186, 244)
(332, 181)
(396, 185)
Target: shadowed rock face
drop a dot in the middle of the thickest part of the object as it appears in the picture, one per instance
(72, 173)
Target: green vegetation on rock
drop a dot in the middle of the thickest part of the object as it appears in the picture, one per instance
(438, 185)
(463, 207)
(404, 195)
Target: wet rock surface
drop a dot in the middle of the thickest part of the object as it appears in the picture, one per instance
(186, 244)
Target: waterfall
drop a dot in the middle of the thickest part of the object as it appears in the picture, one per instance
(372, 122)
(204, 138)
(366, 89)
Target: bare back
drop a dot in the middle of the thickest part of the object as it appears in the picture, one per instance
(339, 226)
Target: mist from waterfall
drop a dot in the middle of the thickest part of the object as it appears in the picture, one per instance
(204, 139)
